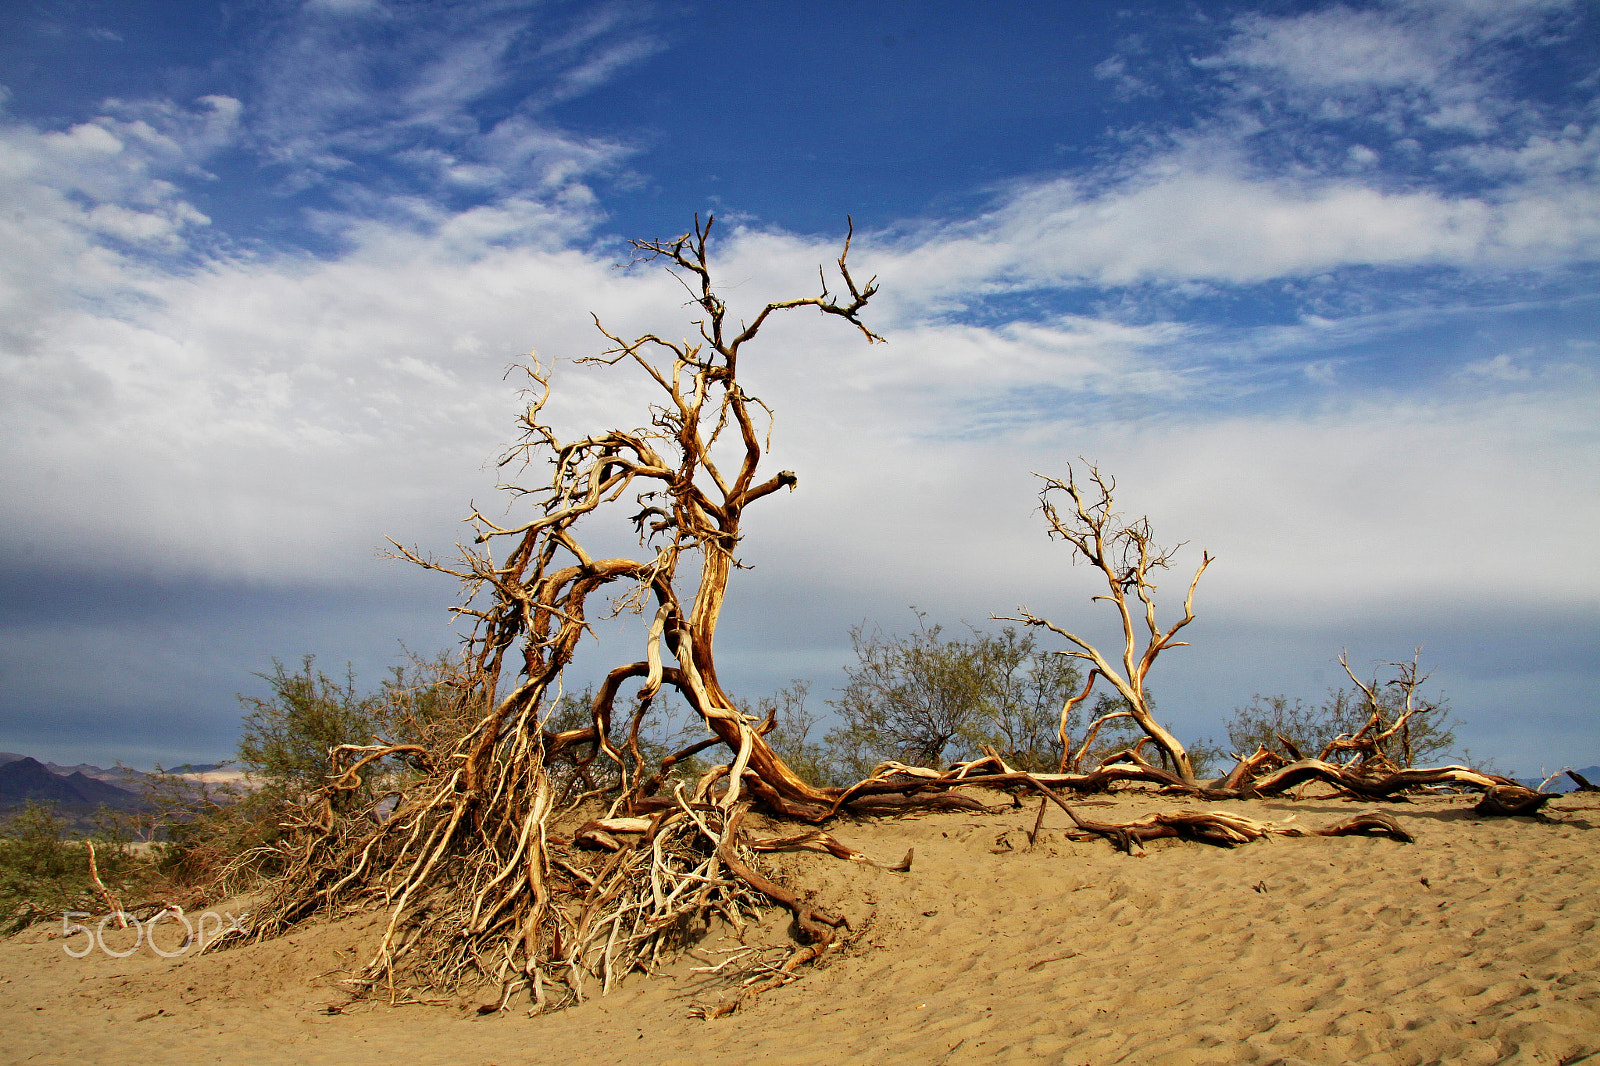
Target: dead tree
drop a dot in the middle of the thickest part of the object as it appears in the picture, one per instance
(1125, 554)
(692, 474)
(1371, 744)
(475, 872)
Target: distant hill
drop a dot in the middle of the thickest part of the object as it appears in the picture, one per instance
(97, 791)
(121, 776)
(25, 779)
(79, 792)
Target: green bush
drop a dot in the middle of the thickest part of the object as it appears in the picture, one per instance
(213, 840)
(285, 739)
(42, 872)
(926, 699)
(1271, 720)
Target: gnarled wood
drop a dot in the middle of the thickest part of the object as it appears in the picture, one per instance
(1382, 786)
(1509, 799)
(1125, 554)
(477, 882)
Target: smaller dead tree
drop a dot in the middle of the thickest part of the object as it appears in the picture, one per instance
(1124, 552)
(1398, 721)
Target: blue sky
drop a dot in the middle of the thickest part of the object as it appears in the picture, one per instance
(1317, 282)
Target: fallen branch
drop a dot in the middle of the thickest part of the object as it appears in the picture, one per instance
(1372, 823)
(1510, 800)
(1212, 827)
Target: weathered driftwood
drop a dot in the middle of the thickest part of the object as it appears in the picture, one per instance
(1505, 800)
(1367, 786)
(1373, 823)
(1222, 828)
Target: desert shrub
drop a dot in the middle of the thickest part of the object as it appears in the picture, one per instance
(426, 701)
(212, 841)
(1271, 720)
(925, 699)
(43, 871)
(792, 735)
(285, 739)
(1021, 716)
(32, 853)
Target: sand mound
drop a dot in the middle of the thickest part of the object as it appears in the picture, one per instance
(1473, 945)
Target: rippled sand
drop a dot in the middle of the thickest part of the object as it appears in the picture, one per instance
(1474, 945)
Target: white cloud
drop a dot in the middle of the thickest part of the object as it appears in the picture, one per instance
(1499, 368)
(599, 68)
(1467, 117)
(345, 7)
(279, 417)
(85, 198)
(1340, 49)
(144, 227)
(1436, 79)
(1572, 153)
(1432, 48)
(1199, 220)
(1323, 373)
(1361, 155)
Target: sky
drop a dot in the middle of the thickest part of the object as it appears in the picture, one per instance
(1318, 283)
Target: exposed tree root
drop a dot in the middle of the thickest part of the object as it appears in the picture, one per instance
(1364, 785)
(603, 908)
(1128, 767)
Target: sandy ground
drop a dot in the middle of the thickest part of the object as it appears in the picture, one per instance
(1475, 945)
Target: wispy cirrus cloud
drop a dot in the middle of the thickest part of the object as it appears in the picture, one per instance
(1209, 217)
(441, 97)
(1407, 65)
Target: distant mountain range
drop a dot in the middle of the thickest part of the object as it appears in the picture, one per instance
(74, 796)
(78, 792)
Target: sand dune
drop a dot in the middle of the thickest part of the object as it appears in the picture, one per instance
(1474, 945)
